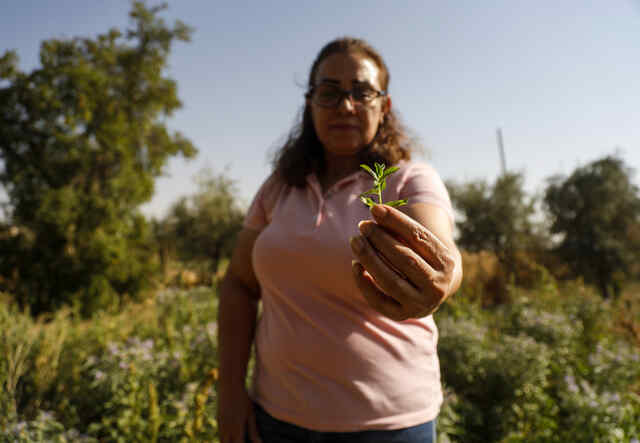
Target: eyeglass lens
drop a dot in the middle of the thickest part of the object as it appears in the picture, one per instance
(329, 95)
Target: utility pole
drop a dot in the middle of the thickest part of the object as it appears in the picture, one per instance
(503, 162)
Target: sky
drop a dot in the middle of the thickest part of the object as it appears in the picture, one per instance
(560, 78)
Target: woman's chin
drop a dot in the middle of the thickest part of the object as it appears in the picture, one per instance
(343, 151)
(344, 147)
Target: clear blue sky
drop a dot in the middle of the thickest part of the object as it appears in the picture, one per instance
(561, 78)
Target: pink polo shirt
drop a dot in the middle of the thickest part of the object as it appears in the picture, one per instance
(325, 360)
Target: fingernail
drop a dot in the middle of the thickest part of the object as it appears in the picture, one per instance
(356, 243)
(379, 210)
(365, 228)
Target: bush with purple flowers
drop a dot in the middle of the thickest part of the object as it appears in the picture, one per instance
(546, 367)
(543, 368)
(144, 374)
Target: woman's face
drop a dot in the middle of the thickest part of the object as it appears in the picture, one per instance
(348, 127)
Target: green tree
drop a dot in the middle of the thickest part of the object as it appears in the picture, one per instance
(595, 212)
(204, 226)
(82, 139)
(496, 218)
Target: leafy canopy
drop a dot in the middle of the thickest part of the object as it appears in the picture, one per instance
(496, 217)
(82, 139)
(204, 225)
(596, 212)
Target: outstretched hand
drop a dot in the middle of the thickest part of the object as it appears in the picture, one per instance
(402, 269)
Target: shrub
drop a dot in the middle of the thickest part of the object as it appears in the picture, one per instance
(145, 374)
(545, 367)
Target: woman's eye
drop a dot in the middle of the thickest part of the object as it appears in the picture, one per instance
(363, 94)
(329, 93)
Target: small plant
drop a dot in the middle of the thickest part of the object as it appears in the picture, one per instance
(379, 183)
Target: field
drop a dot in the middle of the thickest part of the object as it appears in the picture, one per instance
(552, 365)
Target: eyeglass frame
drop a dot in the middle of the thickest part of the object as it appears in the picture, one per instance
(348, 93)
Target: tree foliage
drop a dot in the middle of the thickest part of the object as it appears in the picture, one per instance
(204, 226)
(496, 218)
(82, 139)
(596, 212)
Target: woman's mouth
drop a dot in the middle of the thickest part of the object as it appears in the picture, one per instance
(344, 127)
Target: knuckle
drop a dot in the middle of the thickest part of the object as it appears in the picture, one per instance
(418, 234)
(414, 264)
(448, 261)
(398, 285)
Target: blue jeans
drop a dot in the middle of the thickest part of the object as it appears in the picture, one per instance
(273, 430)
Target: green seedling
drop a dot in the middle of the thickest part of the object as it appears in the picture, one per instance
(379, 183)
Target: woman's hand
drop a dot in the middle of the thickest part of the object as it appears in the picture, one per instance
(402, 268)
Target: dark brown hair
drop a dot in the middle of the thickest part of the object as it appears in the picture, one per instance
(302, 153)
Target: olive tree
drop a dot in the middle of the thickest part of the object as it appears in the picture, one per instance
(204, 226)
(82, 138)
(494, 217)
(595, 212)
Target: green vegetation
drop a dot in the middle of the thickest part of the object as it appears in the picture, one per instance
(140, 375)
(496, 218)
(551, 366)
(596, 211)
(97, 346)
(379, 184)
(200, 230)
(586, 226)
(82, 139)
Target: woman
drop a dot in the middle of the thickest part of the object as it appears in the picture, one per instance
(346, 343)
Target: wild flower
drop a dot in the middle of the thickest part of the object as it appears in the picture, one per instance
(19, 427)
(570, 380)
(113, 348)
(99, 375)
(212, 328)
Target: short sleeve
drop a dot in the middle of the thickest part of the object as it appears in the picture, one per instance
(259, 213)
(421, 183)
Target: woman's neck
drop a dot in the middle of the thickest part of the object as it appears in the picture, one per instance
(337, 167)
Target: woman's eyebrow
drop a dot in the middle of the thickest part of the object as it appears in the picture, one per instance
(362, 83)
(329, 80)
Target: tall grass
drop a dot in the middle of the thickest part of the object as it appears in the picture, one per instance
(143, 374)
(551, 364)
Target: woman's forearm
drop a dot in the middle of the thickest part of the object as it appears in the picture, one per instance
(237, 314)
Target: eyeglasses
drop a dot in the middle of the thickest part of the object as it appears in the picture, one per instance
(330, 96)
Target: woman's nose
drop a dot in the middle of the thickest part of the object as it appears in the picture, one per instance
(347, 103)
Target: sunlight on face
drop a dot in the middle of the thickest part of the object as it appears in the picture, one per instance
(346, 129)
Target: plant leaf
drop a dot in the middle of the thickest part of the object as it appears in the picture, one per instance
(369, 170)
(379, 184)
(367, 201)
(396, 203)
(372, 191)
(390, 171)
